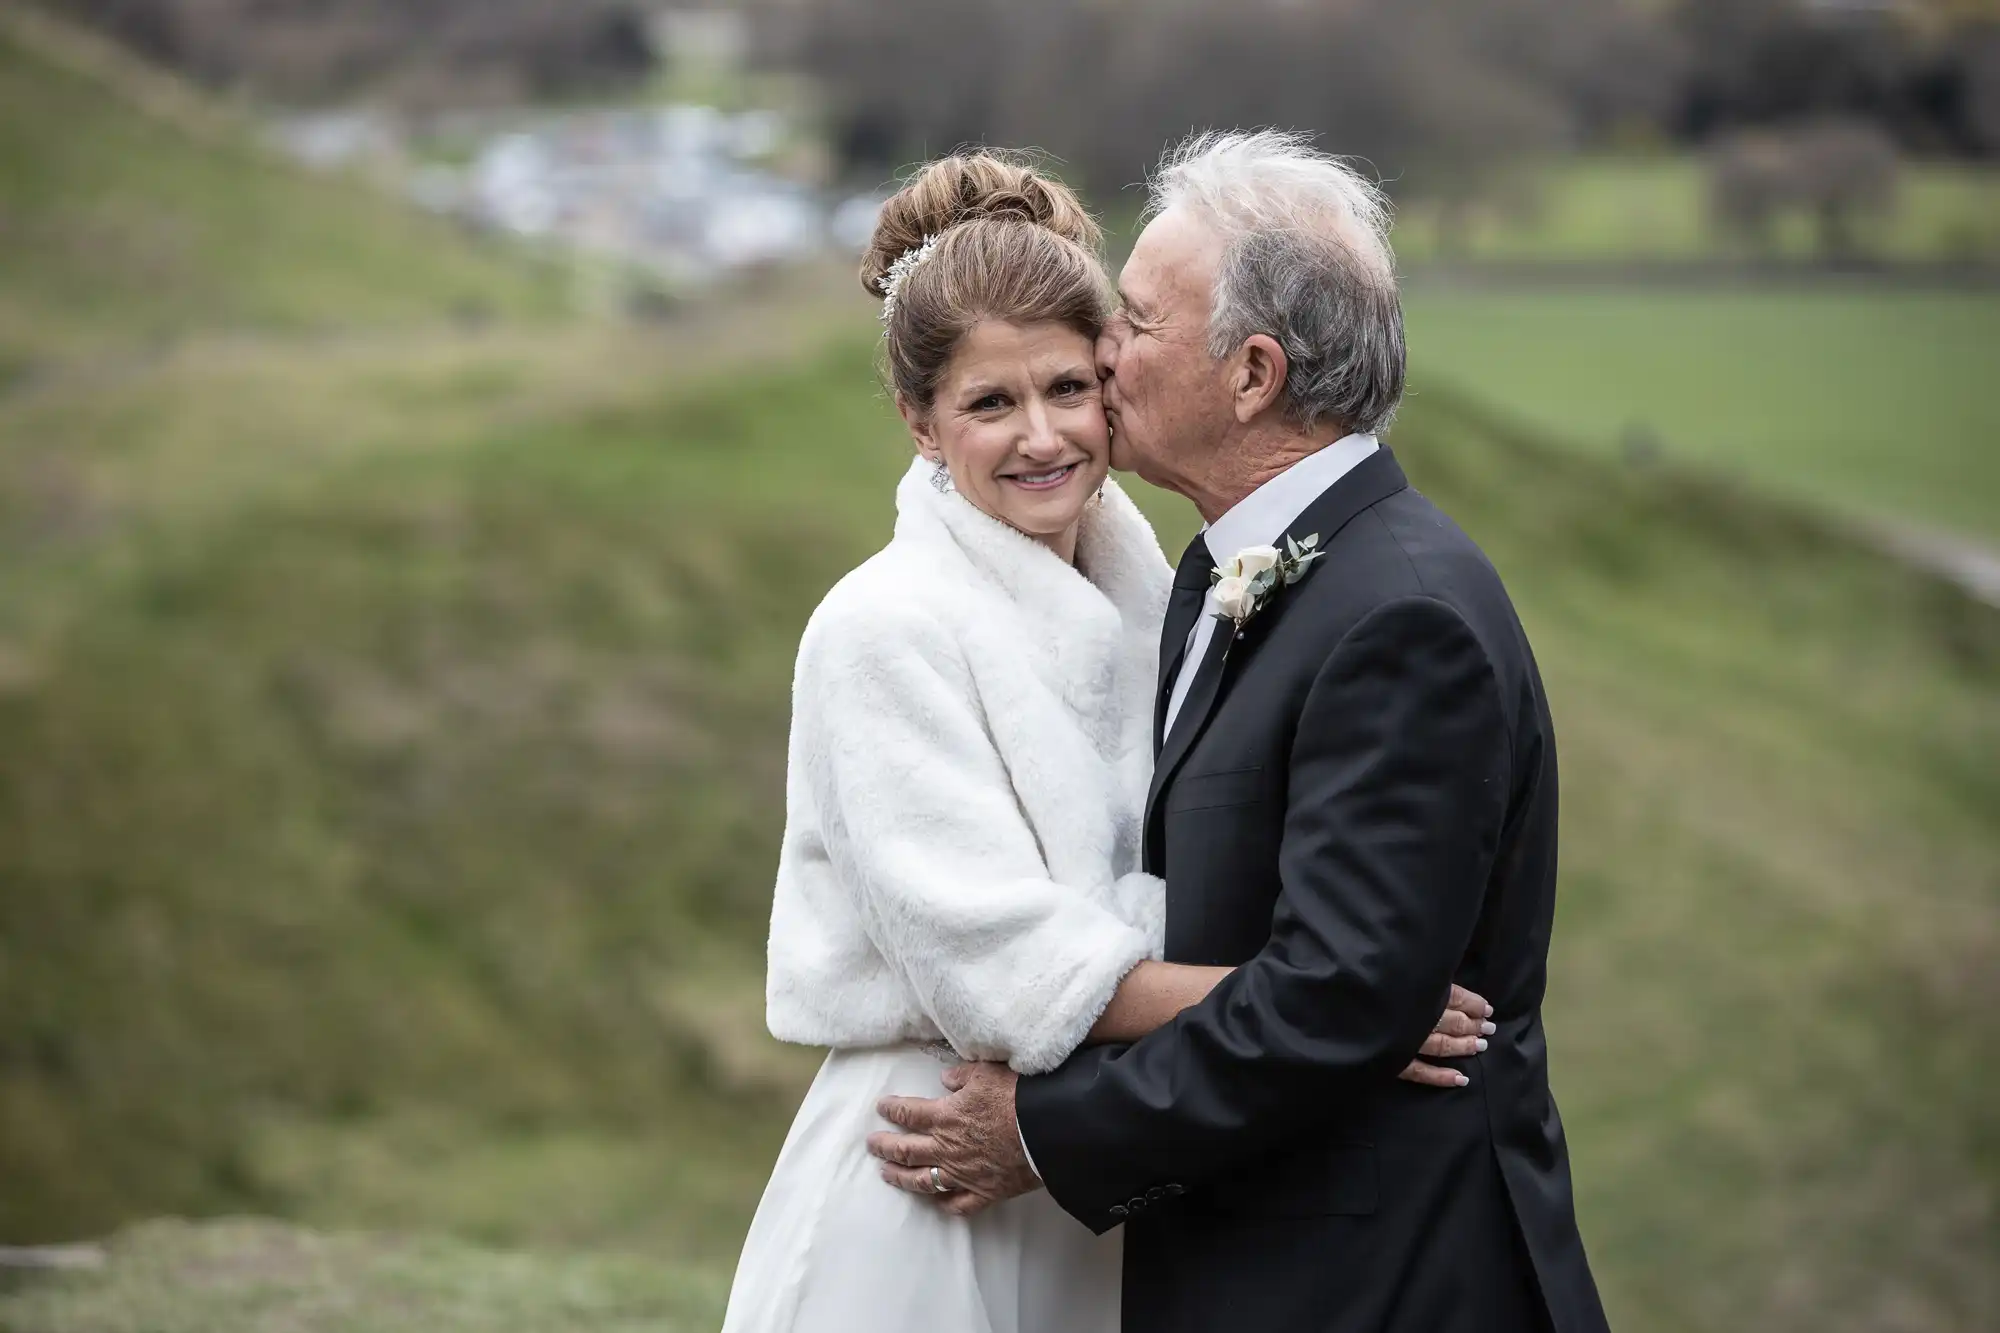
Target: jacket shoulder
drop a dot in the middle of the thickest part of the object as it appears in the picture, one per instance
(1420, 527)
(1449, 566)
(1400, 548)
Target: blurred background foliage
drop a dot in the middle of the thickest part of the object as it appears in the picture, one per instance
(395, 631)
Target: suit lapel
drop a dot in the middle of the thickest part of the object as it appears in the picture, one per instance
(1369, 482)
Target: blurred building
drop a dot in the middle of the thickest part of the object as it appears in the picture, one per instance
(677, 189)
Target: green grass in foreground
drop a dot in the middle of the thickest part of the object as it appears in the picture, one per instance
(1873, 402)
(171, 1277)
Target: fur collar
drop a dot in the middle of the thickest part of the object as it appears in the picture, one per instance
(1079, 616)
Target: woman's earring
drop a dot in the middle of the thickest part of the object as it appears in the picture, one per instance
(940, 478)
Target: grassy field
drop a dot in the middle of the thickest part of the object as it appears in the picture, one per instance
(1869, 401)
(414, 831)
(1655, 208)
(172, 1277)
(393, 772)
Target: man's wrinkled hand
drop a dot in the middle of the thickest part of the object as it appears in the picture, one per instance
(969, 1135)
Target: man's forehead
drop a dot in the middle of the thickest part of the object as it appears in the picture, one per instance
(1175, 251)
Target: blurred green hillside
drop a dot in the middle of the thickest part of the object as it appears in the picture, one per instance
(1870, 399)
(392, 773)
(131, 231)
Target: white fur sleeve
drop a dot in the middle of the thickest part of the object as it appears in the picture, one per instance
(920, 818)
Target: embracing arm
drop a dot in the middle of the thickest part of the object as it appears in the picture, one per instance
(1397, 794)
(1151, 995)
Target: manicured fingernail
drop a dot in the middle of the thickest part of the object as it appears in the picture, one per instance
(1489, 1028)
(1489, 1011)
(1463, 1080)
(1479, 1045)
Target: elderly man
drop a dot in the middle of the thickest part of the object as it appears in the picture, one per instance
(1354, 803)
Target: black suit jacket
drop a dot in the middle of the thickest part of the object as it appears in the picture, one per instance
(1357, 804)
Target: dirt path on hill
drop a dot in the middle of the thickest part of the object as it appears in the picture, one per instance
(1972, 565)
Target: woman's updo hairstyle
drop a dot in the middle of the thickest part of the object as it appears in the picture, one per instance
(1011, 244)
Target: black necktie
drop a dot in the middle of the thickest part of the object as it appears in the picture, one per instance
(1191, 583)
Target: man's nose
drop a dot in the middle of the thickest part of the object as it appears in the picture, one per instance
(1107, 355)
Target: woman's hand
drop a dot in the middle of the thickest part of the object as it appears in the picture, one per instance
(1462, 1030)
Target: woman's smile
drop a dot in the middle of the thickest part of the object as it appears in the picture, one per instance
(1045, 481)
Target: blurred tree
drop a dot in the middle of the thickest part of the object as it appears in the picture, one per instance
(1847, 172)
(1979, 87)
(431, 53)
(907, 78)
(1838, 171)
(1747, 185)
(1919, 68)
(1435, 93)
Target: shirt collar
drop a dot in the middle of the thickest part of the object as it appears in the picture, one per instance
(1262, 516)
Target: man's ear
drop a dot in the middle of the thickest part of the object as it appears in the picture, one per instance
(919, 424)
(1258, 381)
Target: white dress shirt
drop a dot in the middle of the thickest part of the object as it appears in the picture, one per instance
(1260, 519)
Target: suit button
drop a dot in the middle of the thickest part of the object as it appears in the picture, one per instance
(1117, 1210)
(1175, 1190)
(1137, 1205)
(1155, 1194)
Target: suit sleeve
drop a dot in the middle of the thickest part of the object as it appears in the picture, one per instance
(921, 823)
(1398, 790)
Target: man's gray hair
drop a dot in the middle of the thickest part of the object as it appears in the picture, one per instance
(1306, 260)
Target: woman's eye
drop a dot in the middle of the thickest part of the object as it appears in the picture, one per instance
(992, 402)
(1068, 388)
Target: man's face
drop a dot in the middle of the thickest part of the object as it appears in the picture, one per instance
(1164, 394)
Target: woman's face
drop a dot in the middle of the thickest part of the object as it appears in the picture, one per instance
(1019, 422)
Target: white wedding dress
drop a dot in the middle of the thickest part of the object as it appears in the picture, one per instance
(836, 1249)
(971, 747)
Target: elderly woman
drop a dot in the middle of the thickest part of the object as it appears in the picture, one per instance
(972, 742)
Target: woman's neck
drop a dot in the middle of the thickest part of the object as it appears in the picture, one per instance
(1062, 543)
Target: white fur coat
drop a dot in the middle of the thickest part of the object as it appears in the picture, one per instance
(970, 751)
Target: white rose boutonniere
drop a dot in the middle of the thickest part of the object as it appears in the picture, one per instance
(1245, 584)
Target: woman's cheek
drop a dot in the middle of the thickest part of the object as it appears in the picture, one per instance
(1091, 428)
(983, 446)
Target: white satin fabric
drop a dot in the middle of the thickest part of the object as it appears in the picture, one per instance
(836, 1249)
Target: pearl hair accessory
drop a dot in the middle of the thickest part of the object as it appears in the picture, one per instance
(892, 281)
